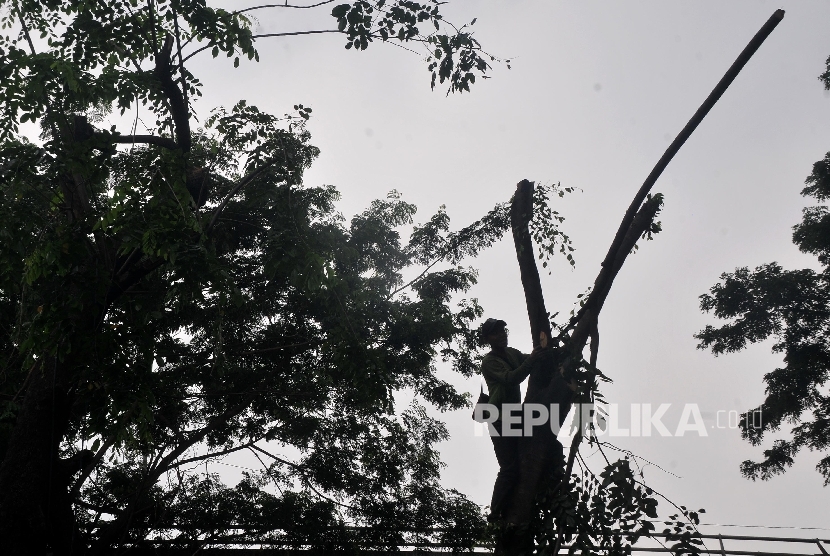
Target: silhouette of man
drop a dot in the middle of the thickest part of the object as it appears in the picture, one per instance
(504, 369)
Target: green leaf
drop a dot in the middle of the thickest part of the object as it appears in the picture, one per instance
(340, 10)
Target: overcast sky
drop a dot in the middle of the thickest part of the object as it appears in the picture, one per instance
(596, 93)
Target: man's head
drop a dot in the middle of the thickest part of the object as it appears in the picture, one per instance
(494, 332)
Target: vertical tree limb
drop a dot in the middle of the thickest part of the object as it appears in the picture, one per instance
(521, 212)
(178, 107)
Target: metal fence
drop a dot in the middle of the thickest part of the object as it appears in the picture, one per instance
(723, 545)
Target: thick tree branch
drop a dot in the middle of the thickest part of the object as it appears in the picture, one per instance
(178, 107)
(164, 142)
(602, 285)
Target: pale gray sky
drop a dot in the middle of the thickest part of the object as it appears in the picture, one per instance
(596, 93)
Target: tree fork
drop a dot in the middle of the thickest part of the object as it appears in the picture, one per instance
(545, 384)
(541, 452)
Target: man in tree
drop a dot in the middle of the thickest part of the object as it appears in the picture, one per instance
(184, 297)
(504, 369)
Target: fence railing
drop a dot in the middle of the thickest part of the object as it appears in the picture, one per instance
(738, 545)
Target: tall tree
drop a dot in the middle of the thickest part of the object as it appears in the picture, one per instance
(542, 487)
(793, 307)
(171, 298)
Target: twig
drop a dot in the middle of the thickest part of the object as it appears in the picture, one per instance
(181, 462)
(287, 34)
(633, 455)
(305, 479)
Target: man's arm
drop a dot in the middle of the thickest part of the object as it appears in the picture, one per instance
(496, 369)
(543, 343)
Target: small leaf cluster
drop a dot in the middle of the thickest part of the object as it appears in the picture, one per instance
(653, 203)
(683, 533)
(544, 226)
(454, 57)
(603, 514)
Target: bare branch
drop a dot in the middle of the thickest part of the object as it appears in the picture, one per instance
(681, 138)
(521, 212)
(421, 275)
(288, 34)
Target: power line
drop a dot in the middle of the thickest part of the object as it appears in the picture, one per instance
(755, 526)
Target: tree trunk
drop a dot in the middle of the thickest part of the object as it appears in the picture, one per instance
(35, 511)
(540, 455)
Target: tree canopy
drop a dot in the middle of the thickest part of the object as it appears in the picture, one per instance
(793, 308)
(171, 298)
(174, 297)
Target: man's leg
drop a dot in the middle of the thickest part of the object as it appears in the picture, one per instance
(507, 454)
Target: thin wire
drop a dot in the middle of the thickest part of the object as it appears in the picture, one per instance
(232, 465)
(755, 526)
(769, 526)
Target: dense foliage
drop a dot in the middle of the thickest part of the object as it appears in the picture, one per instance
(793, 307)
(171, 298)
